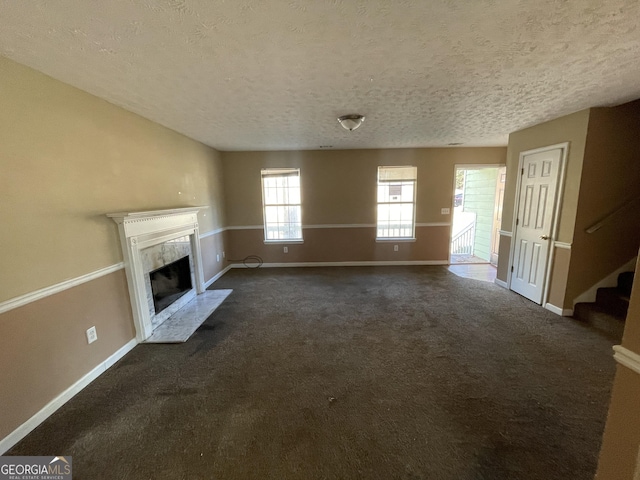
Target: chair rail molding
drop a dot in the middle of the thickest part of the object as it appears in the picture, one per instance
(626, 357)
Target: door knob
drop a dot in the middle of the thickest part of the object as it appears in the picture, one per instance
(544, 237)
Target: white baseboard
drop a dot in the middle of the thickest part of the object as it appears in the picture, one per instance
(626, 357)
(28, 426)
(208, 283)
(567, 312)
(611, 280)
(348, 264)
(501, 283)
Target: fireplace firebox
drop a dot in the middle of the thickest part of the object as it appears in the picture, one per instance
(170, 282)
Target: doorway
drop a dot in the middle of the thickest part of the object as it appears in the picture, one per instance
(477, 214)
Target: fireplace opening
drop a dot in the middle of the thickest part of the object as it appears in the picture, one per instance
(170, 282)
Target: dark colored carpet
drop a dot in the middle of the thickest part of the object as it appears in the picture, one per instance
(348, 373)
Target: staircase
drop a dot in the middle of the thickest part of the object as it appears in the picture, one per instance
(609, 311)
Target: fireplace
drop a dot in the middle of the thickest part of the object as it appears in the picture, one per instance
(164, 246)
(169, 283)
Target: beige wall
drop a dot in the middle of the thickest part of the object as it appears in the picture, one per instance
(610, 178)
(339, 188)
(573, 129)
(619, 456)
(601, 175)
(66, 159)
(43, 348)
(558, 278)
(343, 245)
(212, 245)
(631, 338)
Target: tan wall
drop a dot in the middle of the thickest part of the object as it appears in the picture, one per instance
(339, 188)
(503, 257)
(610, 178)
(631, 338)
(619, 456)
(559, 274)
(571, 128)
(66, 159)
(212, 245)
(43, 348)
(342, 245)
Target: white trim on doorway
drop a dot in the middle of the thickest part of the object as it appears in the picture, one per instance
(556, 211)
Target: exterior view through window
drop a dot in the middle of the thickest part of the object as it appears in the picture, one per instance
(396, 202)
(281, 204)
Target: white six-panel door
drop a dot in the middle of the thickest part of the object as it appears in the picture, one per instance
(534, 224)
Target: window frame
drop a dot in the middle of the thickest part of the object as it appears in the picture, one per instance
(379, 183)
(273, 172)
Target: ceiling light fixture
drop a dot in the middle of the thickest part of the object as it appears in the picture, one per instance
(351, 122)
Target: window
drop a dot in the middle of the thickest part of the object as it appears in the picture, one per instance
(281, 202)
(396, 202)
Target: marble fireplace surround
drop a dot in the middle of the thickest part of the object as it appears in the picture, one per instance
(138, 232)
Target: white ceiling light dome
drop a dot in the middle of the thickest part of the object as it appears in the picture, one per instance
(351, 122)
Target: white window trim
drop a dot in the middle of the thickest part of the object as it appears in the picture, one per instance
(266, 240)
(285, 241)
(395, 239)
(411, 238)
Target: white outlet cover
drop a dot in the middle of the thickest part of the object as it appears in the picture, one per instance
(445, 211)
(92, 335)
(286, 249)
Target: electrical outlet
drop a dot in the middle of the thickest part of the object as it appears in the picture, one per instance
(395, 248)
(286, 249)
(92, 335)
(223, 255)
(445, 211)
(217, 257)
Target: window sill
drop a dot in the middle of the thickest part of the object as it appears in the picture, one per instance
(397, 239)
(286, 242)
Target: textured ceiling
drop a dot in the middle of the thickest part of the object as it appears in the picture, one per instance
(275, 74)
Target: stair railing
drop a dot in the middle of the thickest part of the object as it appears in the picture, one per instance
(462, 243)
(598, 225)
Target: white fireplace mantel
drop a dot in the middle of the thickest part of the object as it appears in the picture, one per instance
(139, 230)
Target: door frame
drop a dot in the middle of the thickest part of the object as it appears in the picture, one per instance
(556, 213)
(464, 166)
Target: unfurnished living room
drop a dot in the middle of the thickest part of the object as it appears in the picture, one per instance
(328, 239)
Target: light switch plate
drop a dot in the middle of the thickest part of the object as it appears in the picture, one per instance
(445, 211)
